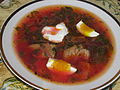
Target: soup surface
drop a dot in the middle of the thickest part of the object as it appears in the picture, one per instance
(75, 57)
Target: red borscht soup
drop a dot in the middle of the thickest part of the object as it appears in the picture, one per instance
(64, 44)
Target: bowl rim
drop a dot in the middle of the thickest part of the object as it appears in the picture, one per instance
(112, 80)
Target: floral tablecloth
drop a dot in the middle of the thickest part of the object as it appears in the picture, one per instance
(9, 81)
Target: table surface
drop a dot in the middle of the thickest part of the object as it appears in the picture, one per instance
(8, 6)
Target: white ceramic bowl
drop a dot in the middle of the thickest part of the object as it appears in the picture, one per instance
(26, 76)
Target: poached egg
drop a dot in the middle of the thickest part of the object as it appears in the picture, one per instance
(55, 34)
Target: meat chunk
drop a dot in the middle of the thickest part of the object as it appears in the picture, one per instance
(77, 50)
(48, 49)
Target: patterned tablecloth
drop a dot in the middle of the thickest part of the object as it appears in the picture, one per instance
(9, 81)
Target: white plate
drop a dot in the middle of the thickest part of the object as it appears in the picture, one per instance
(26, 76)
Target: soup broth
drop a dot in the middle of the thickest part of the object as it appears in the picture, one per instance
(89, 55)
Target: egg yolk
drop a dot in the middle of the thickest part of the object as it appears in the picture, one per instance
(85, 28)
(61, 65)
